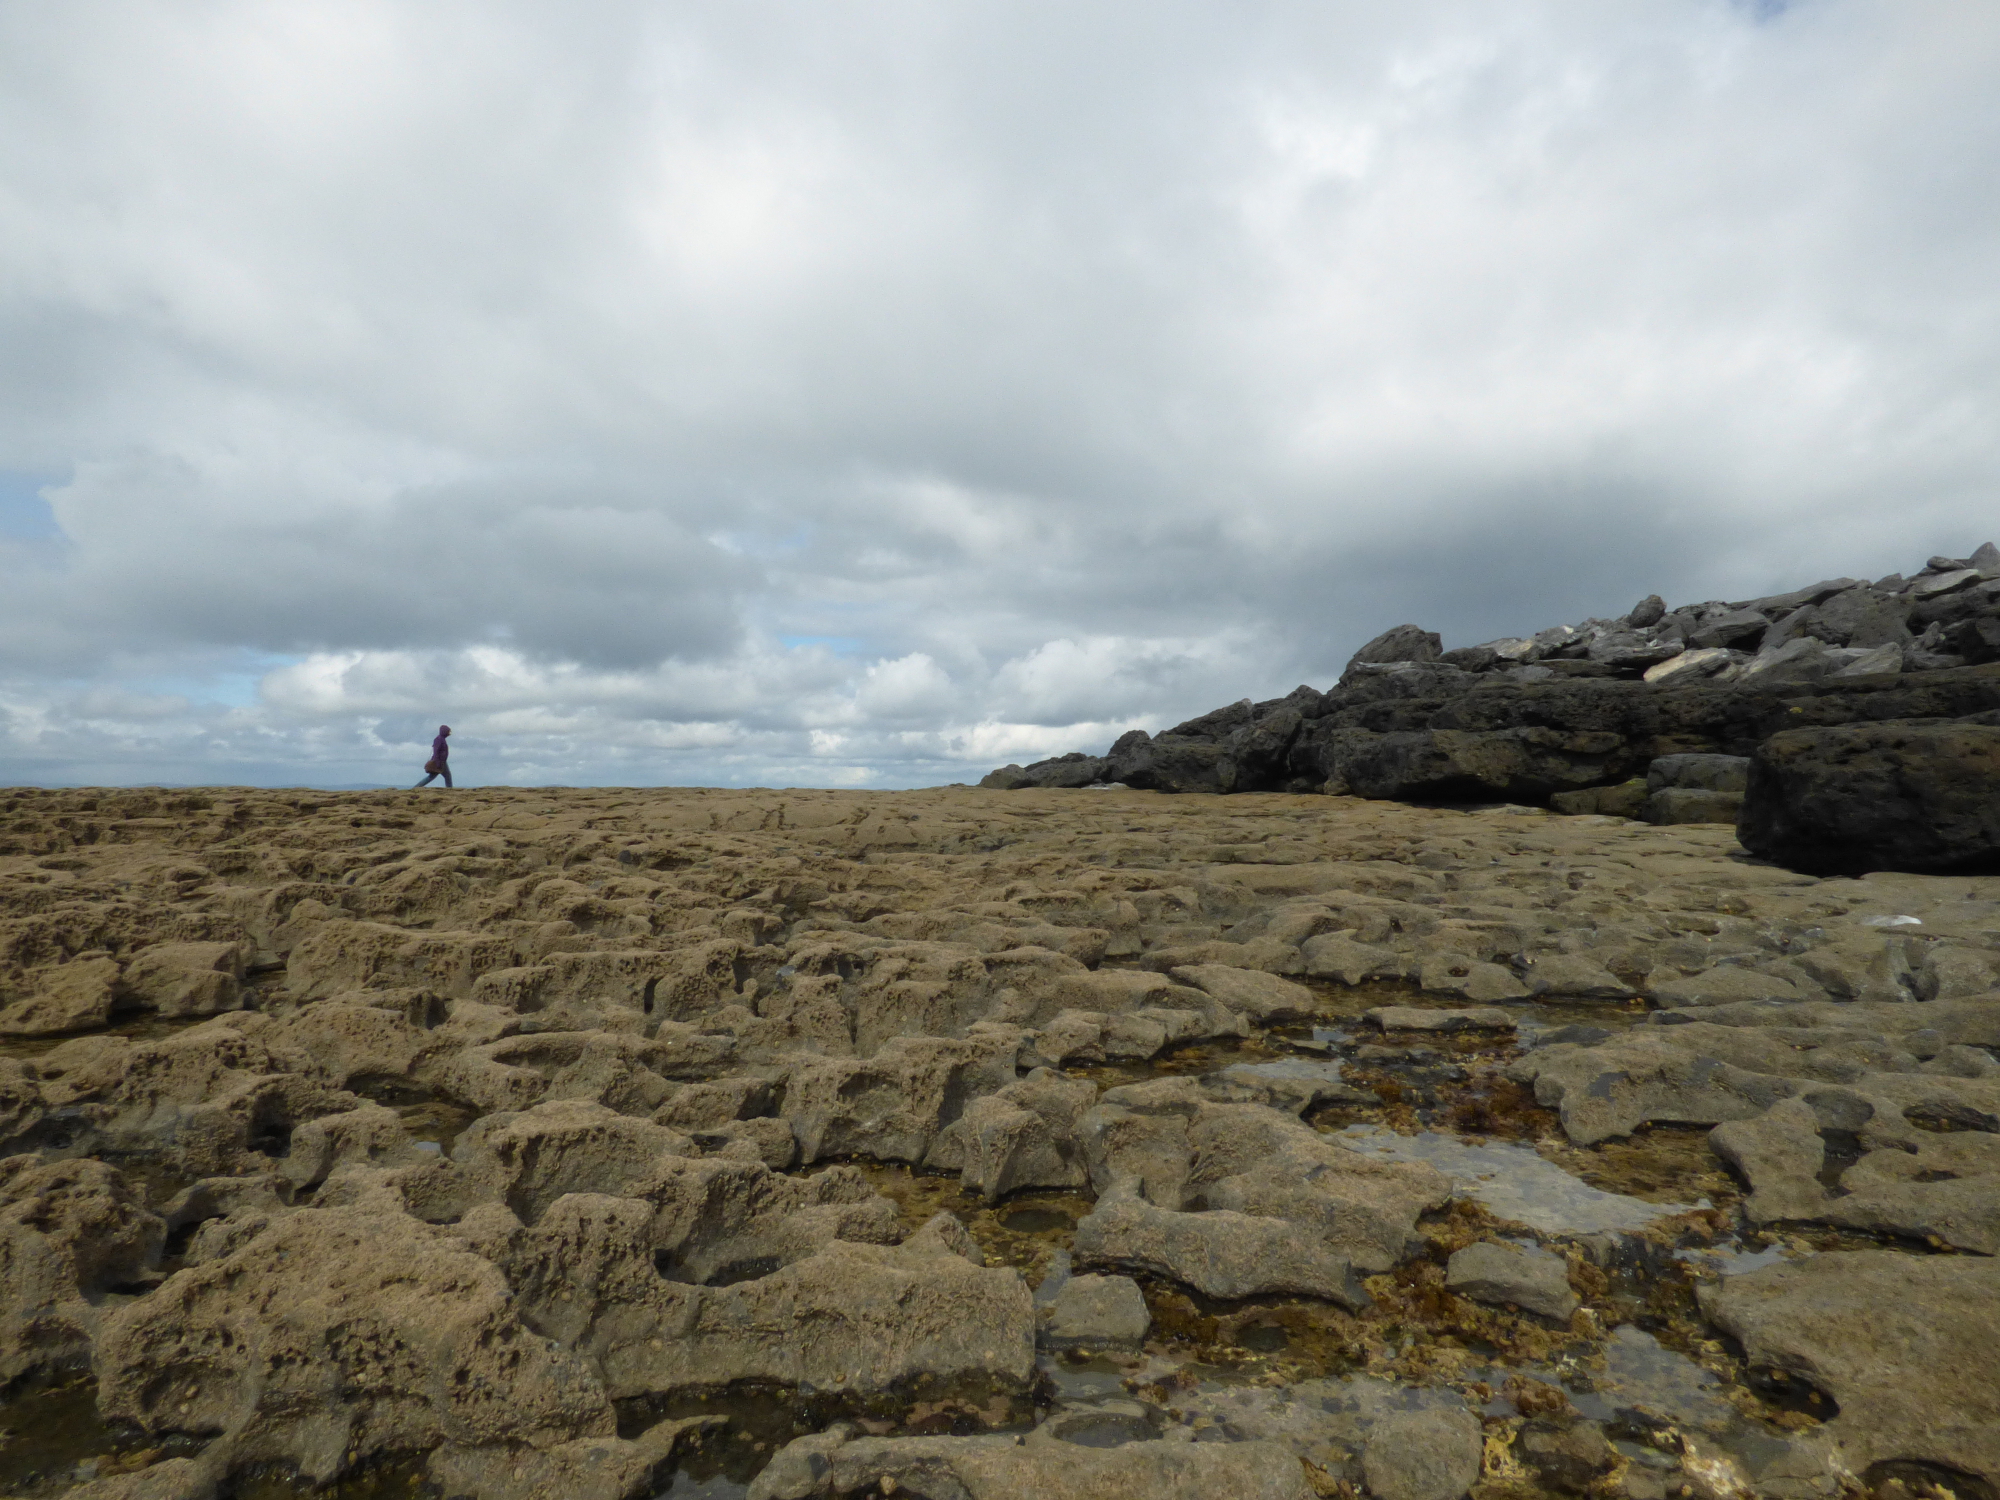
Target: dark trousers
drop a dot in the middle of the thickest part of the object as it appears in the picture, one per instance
(445, 772)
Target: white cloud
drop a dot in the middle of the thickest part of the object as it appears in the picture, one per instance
(1035, 373)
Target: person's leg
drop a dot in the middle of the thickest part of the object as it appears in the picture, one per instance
(428, 780)
(446, 774)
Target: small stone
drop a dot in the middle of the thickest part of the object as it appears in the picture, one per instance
(1531, 1279)
(1099, 1311)
(1422, 1455)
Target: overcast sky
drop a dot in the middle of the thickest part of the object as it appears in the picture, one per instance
(872, 393)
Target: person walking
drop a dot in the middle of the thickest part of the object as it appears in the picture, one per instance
(438, 765)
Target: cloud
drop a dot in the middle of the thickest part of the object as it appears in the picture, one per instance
(1033, 373)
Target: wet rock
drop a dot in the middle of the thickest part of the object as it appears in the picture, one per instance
(1426, 1018)
(170, 1479)
(1858, 1158)
(1005, 1468)
(1877, 797)
(1096, 1312)
(1471, 978)
(1262, 1162)
(1527, 1277)
(1292, 1084)
(1423, 1455)
(1905, 1347)
(593, 1468)
(1610, 1089)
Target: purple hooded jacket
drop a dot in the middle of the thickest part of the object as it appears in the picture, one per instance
(441, 747)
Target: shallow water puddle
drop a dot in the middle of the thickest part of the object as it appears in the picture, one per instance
(1514, 1182)
(52, 1439)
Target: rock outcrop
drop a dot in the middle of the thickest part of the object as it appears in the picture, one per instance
(1575, 715)
(599, 1143)
(1877, 797)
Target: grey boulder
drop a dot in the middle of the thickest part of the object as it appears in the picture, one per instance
(1528, 1277)
(1897, 796)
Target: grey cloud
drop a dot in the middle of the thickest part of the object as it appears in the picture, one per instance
(1084, 366)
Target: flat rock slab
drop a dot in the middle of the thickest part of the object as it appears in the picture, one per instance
(1908, 1347)
(1528, 1277)
(1264, 997)
(1439, 1018)
(1097, 1312)
(1514, 1182)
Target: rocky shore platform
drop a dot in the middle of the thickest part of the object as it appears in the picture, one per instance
(1081, 1144)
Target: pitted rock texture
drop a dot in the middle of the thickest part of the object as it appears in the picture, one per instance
(469, 1129)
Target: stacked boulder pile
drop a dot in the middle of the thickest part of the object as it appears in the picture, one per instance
(1848, 725)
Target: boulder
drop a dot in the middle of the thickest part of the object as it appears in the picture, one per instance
(1922, 797)
(1694, 663)
(1423, 1455)
(1062, 771)
(1859, 617)
(1402, 643)
(1166, 763)
(1648, 611)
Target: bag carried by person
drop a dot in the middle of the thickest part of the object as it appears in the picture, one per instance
(433, 766)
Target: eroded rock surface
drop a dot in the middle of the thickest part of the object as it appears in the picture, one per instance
(500, 1135)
